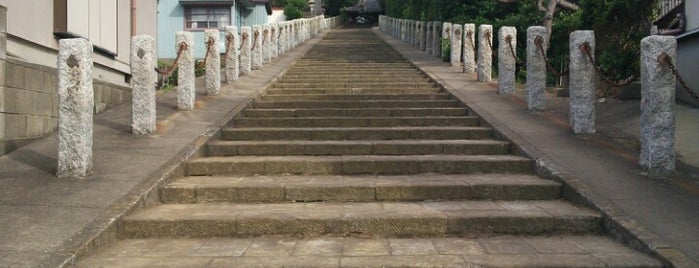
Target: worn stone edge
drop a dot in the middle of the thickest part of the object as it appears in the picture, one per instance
(103, 230)
(620, 226)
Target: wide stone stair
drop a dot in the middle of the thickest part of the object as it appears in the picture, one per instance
(355, 158)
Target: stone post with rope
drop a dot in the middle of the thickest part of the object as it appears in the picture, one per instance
(402, 30)
(485, 52)
(230, 56)
(283, 38)
(507, 60)
(418, 34)
(245, 50)
(274, 44)
(428, 37)
(143, 80)
(469, 48)
(423, 36)
(266, 44)
(582, 83)
(536, 69)
(75, 110)
(185, 71)
(212, 62)
(658, 83)
(257, 35)
(436, 39)
(456, 37)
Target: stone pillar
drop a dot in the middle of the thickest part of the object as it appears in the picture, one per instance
(437, 39)
(143, 79)
(402, 30)
(283, 38)
(185, 72)
(657, 105)
(536, 69)
(246, 50)
(231, 57)
(507, 63)
(456, 37)
(413, 32)
(446, 37)
(266, 44)
(582, 83)
(423, 36)
(469, 48)
(485, 53)
(76, 106)
(274, 46)
(257, 45)
(213, 64)
(418, 33)
(428, 37)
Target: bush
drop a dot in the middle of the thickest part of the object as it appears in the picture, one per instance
(292, 12)
(446, 50)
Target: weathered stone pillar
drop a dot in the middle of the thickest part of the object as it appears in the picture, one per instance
(657, 104)
(185, 72)
(257, 46)
(456, 37)
(582, 83)
(437, 39)
(283, 42)
(231, 57)
(469, 48)
(213, 64)
(274, 45)
(507, 62)
(413, 32)
(536, 69)
(76, 105)
(446, 37)
(143, 79)
(428, 37)
(246, 50)
(418, 34)
(485, 53)
(423, 36)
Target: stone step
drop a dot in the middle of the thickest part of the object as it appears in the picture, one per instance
(358, 104)
(201, 189)
(497, 251)
(355, 73)
(355, 112)
(360, 96)
(358, 164)
(355, 90)
(305, 122)
(361, 147)
(331, 85)
(389, 76)
(384, 219)
(361, 133)
(354, 79)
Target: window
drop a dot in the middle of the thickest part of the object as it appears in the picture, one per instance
(205, 17)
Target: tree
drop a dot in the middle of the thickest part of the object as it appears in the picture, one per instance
(549, 10)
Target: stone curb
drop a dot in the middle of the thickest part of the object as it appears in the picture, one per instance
(103, 230)
(620, 226)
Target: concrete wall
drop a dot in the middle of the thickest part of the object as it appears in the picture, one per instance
(691, 9)
(277, 15)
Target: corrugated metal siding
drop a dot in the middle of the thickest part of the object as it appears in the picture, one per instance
(171, 20)
(258, 16)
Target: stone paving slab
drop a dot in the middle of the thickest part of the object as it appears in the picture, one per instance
(358, 188)
(499, 251)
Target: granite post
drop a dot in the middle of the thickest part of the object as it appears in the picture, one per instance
(76, 106)
(185, 72)
(143, 79)
(437, 39)
(428, 37)
(245, 50)
(257, 46)
(231, 58)
(536, 69)
(582, 83)
(485, 53)
(456, 37)
(658, 104)
(507, 63)
(266, 44)
(213, 64)
(274, 45)
(469, 48)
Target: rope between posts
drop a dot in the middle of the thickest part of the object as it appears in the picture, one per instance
(264, 38)
(243, 40)
(254, 42)
(181, 47)
(469, 35)
(539, 41)
(209, 43)
(508, 39)
(586, 49)
(229, 43)
(665, 59)
(488, 36)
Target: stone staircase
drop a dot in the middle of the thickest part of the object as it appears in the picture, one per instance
(357, 159)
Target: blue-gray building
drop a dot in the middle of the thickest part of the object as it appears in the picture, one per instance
(198, 15)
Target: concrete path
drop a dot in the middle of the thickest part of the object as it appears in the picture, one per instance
(46, 222)
(664, 209)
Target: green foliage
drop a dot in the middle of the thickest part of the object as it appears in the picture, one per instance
(334, 7)
(446, 49)
(292, 12)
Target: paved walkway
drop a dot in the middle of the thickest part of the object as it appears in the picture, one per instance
(45, 221)
(604, 163)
